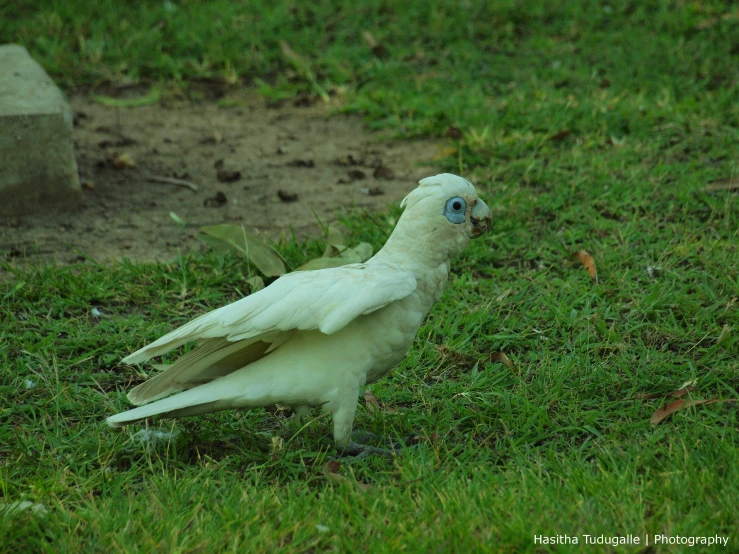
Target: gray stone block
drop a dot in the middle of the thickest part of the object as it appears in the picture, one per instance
(38, 171)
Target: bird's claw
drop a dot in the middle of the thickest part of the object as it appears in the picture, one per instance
(359, 451)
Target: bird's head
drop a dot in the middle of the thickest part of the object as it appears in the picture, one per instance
(444, 212)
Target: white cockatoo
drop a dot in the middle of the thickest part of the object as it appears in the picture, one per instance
(316, 338)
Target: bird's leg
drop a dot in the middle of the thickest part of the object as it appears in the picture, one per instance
(301, 412)
(343, 416)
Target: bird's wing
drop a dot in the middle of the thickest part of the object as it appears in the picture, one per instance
(244, 331)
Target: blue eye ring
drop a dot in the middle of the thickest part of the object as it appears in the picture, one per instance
(455, 210)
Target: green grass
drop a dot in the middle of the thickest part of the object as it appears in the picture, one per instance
(562, 445)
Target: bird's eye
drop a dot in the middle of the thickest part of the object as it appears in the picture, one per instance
(455, 209)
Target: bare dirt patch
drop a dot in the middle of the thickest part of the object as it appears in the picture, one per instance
(268, 168)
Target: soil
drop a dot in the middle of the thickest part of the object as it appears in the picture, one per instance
(270, 168)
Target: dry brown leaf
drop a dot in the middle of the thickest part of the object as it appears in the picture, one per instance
(676, 405)
(502, 358)
(731, 183)
(370, 401)
(588, 261)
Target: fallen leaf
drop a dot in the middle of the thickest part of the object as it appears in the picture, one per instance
(334, 239)
(360, 253)
(215, 201)
(588, 261)
(732, 183)
(676, 405)
(88, 185)
(287, 196)
(151, 98)
(337, 253)
(453, 133)
(255, 249)
(371, 402)
(502, 358)
(561, 135)
(255, 283)
(363, 251)
(228, 176)
(383, 172)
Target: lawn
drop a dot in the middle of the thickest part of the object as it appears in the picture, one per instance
(606, 127)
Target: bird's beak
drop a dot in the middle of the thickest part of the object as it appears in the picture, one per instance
(481, 219)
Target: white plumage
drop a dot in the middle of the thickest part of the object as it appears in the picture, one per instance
(316, 338)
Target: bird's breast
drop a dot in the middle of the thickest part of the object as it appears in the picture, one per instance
(393, 328)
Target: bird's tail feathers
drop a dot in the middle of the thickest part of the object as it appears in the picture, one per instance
(211, 397)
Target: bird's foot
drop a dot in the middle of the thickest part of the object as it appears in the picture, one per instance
(359, 451)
